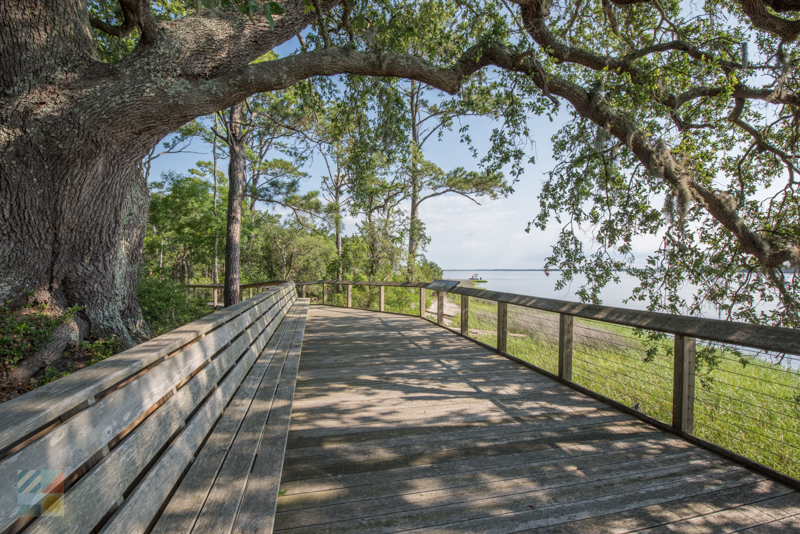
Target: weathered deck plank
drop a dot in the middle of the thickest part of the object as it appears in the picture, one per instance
(400, 425)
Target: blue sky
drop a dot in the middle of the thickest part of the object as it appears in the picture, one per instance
(464, 235)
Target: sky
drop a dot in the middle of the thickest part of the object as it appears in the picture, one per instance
(464, 235)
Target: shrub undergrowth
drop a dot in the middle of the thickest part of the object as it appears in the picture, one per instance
(166, 304)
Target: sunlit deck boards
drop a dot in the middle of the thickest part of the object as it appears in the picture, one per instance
(400, 425)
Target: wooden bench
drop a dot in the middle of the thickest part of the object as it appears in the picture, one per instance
(185, 431)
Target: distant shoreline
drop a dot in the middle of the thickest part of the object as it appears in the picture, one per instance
(506, 270)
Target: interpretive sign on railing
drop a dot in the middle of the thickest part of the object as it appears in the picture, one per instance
(442, 285)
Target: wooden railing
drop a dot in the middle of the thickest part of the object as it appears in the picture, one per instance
(243, 289)
(684, 329)
(381, 285)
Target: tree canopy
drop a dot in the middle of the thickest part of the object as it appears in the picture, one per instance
(684, 125)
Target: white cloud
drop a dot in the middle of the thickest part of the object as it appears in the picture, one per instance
(490, 236)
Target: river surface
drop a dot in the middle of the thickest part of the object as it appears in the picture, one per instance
(538, 284)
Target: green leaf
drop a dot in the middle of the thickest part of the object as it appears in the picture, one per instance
(276, 8)
(360, 22)
(273, 8)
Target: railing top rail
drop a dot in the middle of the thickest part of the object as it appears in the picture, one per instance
(769, 338)
(241, 286)
(364, 283)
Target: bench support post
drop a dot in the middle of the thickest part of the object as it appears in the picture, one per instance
(422, 302)
(381, 297)
(565, 326)
(324, 293)
(440, 307)
(683, 384)
(464, 315)
(502, 326)
(349, 296)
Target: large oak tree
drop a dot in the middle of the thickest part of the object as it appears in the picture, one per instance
(73, 128)
(73, 204)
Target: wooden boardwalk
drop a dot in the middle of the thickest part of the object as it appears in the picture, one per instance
(401, 425)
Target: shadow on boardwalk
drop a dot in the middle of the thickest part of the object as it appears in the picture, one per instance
(401, 425)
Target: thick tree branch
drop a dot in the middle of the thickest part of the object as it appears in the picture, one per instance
(783, 6)
(656, 157)
(756, 10)
(285, 72)
(137, 14)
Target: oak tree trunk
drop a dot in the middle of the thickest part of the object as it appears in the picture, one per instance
(73, 203)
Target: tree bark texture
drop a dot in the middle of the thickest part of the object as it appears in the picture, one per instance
(73, 204)
(238, 181)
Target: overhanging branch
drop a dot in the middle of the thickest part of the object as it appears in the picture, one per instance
(136, 14)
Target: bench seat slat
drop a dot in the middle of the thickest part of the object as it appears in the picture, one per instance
(185, 506)
(68, 446)
(98, 492)
(141, 507)
(257, 513)
(24, 415)
(219, 511)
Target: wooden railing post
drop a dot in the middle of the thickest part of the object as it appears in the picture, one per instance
(349, 296)
(303, 290)
(215, 297)
(565, 324)
(502, 326)
(324, 293)
(683, 384)
(195, 292)
(440, 307)
(380, 296)
(422, 302)
(464, 315)
(251, 292)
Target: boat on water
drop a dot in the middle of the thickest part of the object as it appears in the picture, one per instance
(475, 277)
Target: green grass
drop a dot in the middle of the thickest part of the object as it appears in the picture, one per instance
(86, 353)
(743, 403)
(27, 330)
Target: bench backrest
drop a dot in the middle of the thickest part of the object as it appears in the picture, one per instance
(148, 408)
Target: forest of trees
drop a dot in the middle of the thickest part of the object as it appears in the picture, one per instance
(683, 124)
(374, 162)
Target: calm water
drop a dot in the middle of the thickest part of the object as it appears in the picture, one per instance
(538, 284)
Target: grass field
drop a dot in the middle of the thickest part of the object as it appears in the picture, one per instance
(743, 401)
